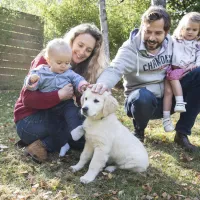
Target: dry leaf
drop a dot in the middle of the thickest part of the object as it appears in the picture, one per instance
(185, 158)
(110, 176)
(147, 187)
(164, 195)
(96, 194)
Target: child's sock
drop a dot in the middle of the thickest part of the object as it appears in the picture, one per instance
(64, 149)
(166, 114)
(179, 98)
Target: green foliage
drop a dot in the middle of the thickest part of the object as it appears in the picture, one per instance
(122, 16)
(60, 17)
(179, 8)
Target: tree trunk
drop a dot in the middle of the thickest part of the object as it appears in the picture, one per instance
(159, 3)
(104, 26)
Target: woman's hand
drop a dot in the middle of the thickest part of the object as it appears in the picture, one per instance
(66, 92)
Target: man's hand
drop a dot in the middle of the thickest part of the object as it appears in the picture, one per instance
(99, 88)
(66, 92)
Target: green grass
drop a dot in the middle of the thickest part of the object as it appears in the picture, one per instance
(172, 174)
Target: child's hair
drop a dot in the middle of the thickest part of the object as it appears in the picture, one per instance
(191, 16)
(57, 44)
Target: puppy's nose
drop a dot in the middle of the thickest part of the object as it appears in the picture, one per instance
(85, 109)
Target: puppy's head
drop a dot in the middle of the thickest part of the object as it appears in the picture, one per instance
(97, 106)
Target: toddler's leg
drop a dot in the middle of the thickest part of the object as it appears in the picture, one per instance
(64, 149)
(167, 103)
(178, 93)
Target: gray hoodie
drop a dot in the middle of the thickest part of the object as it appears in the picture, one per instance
(137, 67)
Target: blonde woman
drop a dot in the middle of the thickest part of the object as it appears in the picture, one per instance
(35, 125)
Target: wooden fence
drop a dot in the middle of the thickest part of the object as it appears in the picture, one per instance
(21, 39)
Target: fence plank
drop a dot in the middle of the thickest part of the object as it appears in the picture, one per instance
(16, 57)
(20, 29)
(19, 18)
(11, 82)
(21, 43)
(18, 50)
(11, 64)
(21, 36)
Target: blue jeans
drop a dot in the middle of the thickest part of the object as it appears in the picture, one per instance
(143, 106)
(50, 127)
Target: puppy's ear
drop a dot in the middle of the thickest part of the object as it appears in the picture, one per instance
(82, 99)
(110, 105)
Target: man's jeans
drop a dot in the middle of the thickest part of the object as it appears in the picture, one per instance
(143, 106)
(50, 128)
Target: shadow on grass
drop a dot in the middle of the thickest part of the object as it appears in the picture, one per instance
(188, 160)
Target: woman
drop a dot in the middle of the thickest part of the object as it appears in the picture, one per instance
(35, 125)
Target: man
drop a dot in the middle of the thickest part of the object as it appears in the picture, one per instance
(142, 61)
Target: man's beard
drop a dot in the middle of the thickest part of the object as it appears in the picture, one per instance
(155, 44)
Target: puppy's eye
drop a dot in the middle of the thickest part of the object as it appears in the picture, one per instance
(96, 101)
(85, 98)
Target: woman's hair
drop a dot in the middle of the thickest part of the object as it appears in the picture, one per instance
(93, 66)
(156, 13)
(191, 17)
(57, 44)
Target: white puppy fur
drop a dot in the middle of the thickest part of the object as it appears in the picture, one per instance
(107, 140)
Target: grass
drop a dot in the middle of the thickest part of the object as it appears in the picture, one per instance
(172, 174)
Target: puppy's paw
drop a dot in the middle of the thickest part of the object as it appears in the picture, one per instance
(74, 168)
(85, 179)
(110, 169)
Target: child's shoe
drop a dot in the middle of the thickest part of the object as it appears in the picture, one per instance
(180, 107)
(167, 124)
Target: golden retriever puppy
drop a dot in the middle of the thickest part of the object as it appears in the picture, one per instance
(107, 140)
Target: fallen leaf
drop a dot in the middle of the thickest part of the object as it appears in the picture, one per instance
(185, 158)
(110, 176)
(105, 173)
(164, 195)
(3, 146)
(147, 187)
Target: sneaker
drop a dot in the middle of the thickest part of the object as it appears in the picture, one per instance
(180, 107)
(167, 124)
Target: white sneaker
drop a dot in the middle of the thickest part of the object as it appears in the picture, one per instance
(167, 124)
(180, 107)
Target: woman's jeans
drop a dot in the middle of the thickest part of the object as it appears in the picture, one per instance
(50, 126)
(143, 106)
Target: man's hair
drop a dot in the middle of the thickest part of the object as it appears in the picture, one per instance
(155, 13)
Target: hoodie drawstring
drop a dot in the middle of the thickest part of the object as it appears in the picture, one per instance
(138, 67)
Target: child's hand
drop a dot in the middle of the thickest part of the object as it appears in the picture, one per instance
(191, 67)
(84, 87)
(34, 78)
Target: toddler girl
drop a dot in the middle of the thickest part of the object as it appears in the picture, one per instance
(186, 57)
